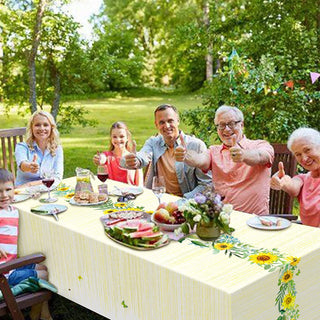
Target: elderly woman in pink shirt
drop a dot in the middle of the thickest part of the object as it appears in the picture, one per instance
(304, 143)
(241, 168)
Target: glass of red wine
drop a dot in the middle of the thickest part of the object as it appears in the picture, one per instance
(48, 177)
(102, 173)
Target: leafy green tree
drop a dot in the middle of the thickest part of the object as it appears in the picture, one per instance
(268, 76)
(33, 64)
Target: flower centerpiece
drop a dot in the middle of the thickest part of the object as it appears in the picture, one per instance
(208, 213)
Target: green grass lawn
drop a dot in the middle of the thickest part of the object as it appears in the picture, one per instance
(81, 144)
(136, 111)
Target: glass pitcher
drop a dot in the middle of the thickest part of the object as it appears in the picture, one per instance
(83, 180)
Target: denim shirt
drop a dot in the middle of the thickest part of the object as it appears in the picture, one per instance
(45, 161)
(191, 180)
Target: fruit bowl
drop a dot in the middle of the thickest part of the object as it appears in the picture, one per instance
(165, 226)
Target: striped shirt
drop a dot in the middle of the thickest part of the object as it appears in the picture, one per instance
(9, 227)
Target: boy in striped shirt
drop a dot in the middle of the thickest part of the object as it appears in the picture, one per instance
(9, 229)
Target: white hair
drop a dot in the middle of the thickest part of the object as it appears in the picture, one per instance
(311, 134)
(225, 108)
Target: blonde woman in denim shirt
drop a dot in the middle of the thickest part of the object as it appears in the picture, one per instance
(41, 151)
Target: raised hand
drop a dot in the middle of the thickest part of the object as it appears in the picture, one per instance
(181, 150)
(33, 165)
(236, 152)
(279, 179)
(281, 172)
(99, 159)
(132, 161)
(96, 159)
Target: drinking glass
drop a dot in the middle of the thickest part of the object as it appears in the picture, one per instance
(158, 187)
(48, 177)
(102, 173)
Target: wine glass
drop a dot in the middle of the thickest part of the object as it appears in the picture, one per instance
(158, 187)
(48, 177)
(102, 173)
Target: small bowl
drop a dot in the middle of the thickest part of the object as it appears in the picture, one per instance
(165, 226)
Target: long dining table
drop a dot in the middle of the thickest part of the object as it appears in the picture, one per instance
(183, 280)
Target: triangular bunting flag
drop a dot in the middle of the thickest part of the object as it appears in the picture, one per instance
(314, 76)
(289, 84)
(234, 53)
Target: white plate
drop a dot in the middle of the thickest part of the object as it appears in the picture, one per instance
(39, 188)
(21, 197)
(73, 202)
(165, 226)
(254, 222)
(123, 191)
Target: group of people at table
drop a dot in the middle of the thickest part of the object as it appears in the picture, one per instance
(239, 168)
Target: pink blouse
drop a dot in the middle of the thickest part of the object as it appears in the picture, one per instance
(133, 177)
(309, 199)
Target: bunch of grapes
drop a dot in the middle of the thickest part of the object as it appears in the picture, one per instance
(178, 217)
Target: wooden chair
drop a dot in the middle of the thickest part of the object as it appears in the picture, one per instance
(281, 203)
(11, 304)
(9, 139)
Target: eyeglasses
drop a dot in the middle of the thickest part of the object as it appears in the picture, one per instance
(126, 198)
(231, 125)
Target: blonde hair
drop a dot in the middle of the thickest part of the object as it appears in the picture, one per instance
(53, 141)
(121, 125)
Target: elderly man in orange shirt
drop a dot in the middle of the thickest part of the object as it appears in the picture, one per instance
(241, 168)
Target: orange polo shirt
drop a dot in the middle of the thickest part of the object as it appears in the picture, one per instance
(245, 187)
(167, 168)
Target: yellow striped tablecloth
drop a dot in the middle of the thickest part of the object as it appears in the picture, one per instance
(179, 281)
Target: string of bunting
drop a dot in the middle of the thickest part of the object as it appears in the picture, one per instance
(290, 84)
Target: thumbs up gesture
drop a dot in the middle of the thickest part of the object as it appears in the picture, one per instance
(236, 152)
(279, 179)
(132, 162)
(181, 151)
(33, 165)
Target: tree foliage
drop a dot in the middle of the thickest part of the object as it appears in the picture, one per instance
(268, 74)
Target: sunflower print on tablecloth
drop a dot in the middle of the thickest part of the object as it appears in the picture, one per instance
(270, 260)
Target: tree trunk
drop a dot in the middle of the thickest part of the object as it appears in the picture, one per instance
(33, 53)
(208, 57)
(56, 84)
(1, 68)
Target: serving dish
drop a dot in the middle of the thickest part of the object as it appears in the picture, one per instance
(73, 202)
(165, 226)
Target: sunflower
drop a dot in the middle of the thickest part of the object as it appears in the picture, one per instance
(293, 260)
(63, 189)
(120, 204)
(133, 209)
(69, 195)
(223, 246)
(287, 276)
(149, 212)
(110, 211)
(263, 258)
(288, 301)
